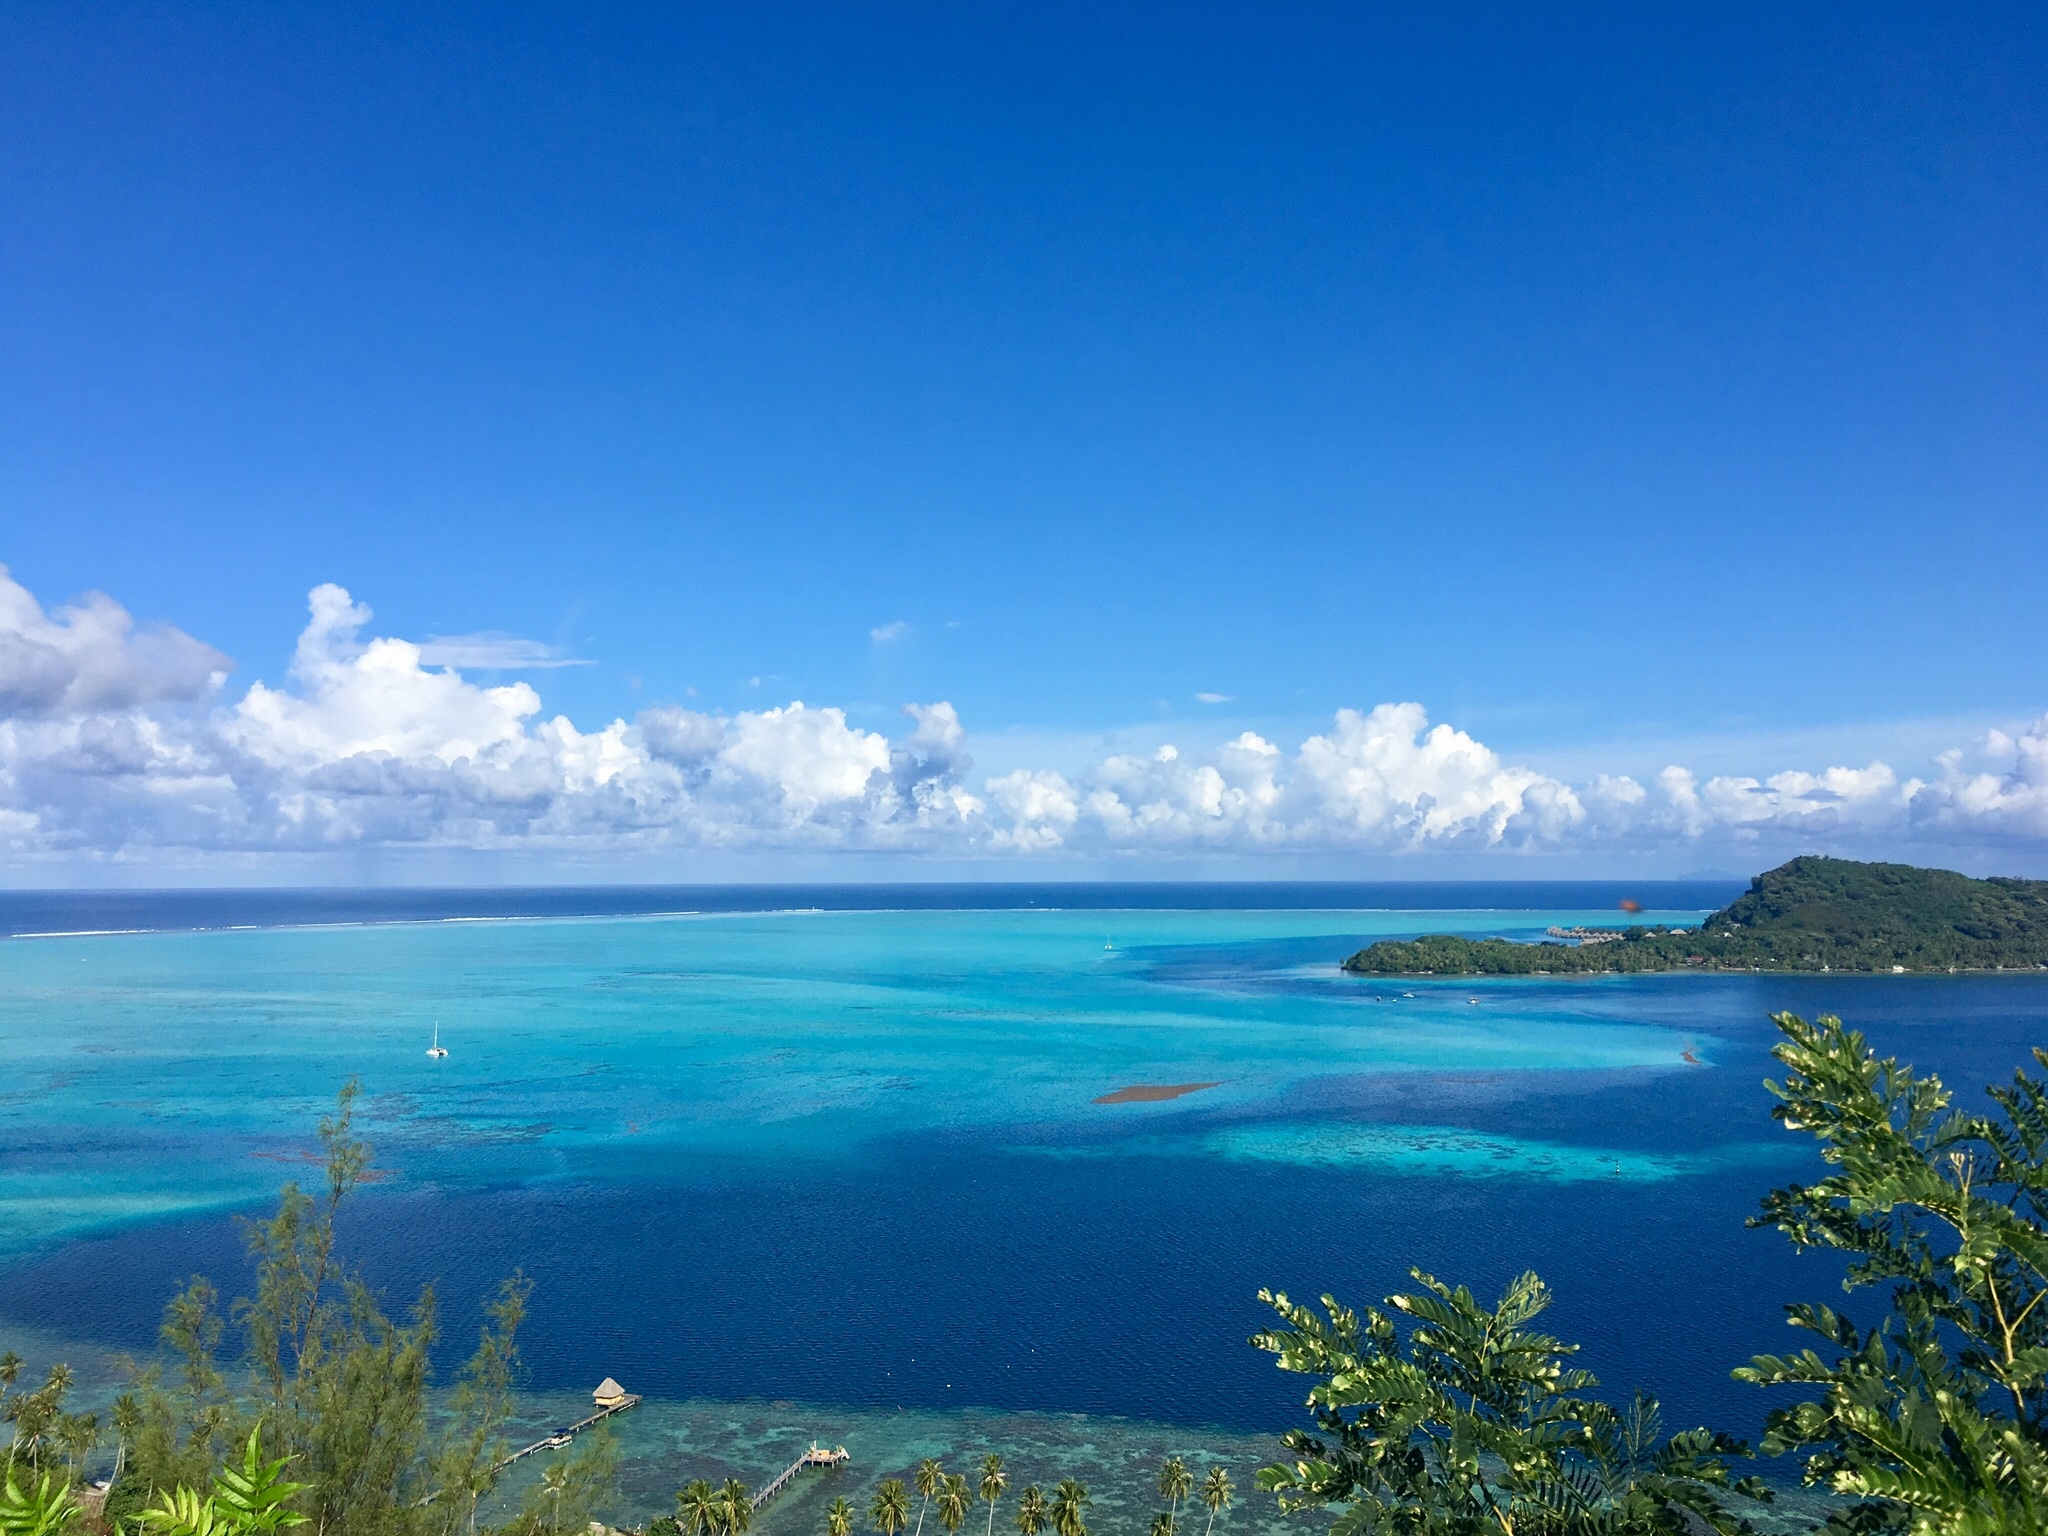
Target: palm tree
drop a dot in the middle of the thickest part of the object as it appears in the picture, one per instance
(993, 1481)
(1068, 1501)
(127, 1424)
(954, 1498)
(1031, 1512)
(839, 1518)
(891, 1509)
(36, 1413)
(78, 1436)
(1216, 1492)
(1176, 1482)
(697, 1508)
(1162, 1523)
(930, 1478)
(736, 1510)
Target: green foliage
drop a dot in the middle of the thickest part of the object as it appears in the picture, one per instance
(572, 1488)
(735, 1508)
(1032, 1511)
(1217, 1492)
(890, 1510)
(1811, 914)
(1069, 1509)
(930, 1479)
(255, 1494)
(1176, 1482)
(184, 1512)
(993, 1481)
(467, 1464)
(930, 1475)
(344, 1387)
(953, 1501)
(338, 1388)
(44, 1508)
(1475, 1423)
(1934, 1418)
(44, 1435)
(187, 1419)
(838, 1519)
(1447, 954)
(697, 1508)
(252, 1499)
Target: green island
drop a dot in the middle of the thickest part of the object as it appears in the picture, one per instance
(1812, 914)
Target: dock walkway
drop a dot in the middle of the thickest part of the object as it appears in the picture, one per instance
(816, 1456)
(564, 1435)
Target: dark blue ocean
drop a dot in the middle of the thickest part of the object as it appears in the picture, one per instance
(841, 1146)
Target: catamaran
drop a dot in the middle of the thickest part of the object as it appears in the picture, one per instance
(435, 1050)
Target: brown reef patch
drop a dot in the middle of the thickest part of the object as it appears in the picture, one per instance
(1153, 1093)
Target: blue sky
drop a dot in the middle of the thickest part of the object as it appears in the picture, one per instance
(1619, 386)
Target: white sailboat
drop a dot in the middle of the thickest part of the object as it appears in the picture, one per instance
(436, 1050)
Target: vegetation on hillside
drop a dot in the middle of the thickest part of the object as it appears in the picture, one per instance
(1440, 1417)
(1812, 914)
(1936, 1417)
(325, 1384)
(1469, 1420)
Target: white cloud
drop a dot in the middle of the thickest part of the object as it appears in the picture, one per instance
(1215, 698)
(1040, 806)
(1389, 778)
(811, 755)
(492, 650)
(377, 698)
(115, 742)
(888, 634)
(90, 656)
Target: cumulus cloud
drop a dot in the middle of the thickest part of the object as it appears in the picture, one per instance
(1040, 807)
(378, 698)
(1389, 776)
(811, 755)
(117, 740)
(90, 656)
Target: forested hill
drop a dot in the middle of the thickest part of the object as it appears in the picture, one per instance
(1813, 914)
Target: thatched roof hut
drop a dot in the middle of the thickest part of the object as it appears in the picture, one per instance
(609, 1393)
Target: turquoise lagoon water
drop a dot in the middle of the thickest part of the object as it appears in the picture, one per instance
(593, 1049)
(843, 1173)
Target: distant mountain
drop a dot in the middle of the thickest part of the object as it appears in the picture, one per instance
(1813, 914)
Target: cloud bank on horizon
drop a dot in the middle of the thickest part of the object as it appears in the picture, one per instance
(121, 742)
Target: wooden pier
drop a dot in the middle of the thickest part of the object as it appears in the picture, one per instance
(610, 1399)
(568, 1432)
(816, 1456)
